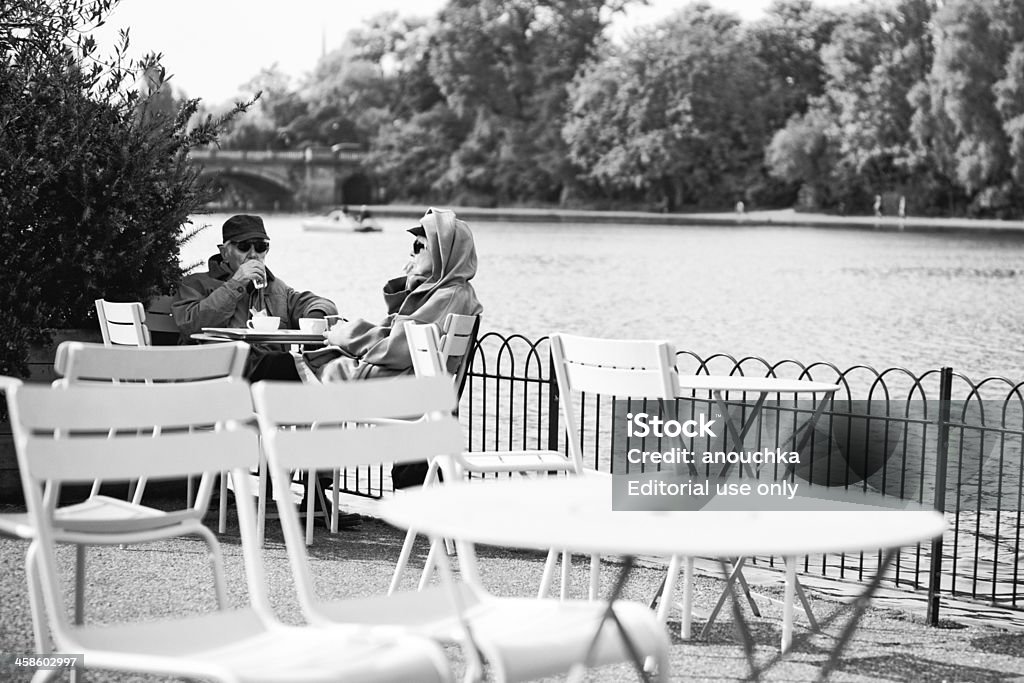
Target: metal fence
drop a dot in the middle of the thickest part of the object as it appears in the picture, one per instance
(949, 442)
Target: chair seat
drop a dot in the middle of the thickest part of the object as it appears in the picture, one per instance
(99, 514)
(106, 515)
(527, 638)
(238, 643)
(16, 524)
(516, 461)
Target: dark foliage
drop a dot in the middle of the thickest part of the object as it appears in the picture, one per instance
(95, 186)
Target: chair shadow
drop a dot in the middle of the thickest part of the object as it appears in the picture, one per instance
(907, 667)
(1009, 644)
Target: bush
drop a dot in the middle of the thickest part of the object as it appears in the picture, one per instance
(95, 184)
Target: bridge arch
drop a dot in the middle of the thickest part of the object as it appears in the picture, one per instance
(254, 187)
(287, 179)
(354, 188)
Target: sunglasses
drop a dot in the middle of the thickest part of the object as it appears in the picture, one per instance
(259, 245)
(418, 246)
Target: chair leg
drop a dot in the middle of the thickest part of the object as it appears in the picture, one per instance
(217, 565)
(566, 566)
(310, 504)
(432, 560)
(261, 501)
(335, 502)
(787, 603)
(222, 521)
(35, 600)
(79, 584)
(403, 560)
(47, 675)
(686, 621)
(138, 490)
(549, 573)
(595, 576)
(668, 589)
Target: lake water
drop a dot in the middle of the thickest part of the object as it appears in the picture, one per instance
(883, 299)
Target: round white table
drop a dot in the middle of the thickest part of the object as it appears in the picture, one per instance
(575, 514)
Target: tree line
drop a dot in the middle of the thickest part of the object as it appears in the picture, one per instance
(531, 102)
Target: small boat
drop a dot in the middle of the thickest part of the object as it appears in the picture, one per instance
(340, 220)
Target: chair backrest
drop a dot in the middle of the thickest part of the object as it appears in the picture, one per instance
(620, 368)
(125, 431)
(453, 347)
(122, 324)
(332, 425)
(160, 321)
(331, 419)
(424, 348)
(79, 362)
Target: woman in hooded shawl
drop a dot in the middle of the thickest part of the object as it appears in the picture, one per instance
(435, 283)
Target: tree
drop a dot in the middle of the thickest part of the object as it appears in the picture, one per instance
(652, 120)
(504, 66)
(411, 157)
(272, 123)
(802, 154)
(966, 121)
(95, 184)
(788, 41)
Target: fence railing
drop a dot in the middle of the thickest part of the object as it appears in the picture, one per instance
(938, 438)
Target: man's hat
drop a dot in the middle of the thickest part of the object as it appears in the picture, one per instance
(243, 227)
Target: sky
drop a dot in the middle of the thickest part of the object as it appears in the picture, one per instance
(212, 47)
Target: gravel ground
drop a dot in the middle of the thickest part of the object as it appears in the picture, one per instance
(172, 577)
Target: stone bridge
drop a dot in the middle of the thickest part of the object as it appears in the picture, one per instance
(290, 179)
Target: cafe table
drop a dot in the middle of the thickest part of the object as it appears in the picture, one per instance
(761, 387)
(575, 513)
(722, 389)
(283, 337)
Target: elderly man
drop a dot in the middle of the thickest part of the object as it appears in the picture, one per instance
(238, 283)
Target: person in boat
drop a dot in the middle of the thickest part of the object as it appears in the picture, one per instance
(364, 214)
(237, 285)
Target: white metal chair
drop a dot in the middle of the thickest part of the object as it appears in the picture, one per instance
(429, 360)
(122, 324)
(78, 362)
(125, 324)
(160, 322)
(520, 638)
(128, 324)
(56, 432)
(455, 350)
(622, 368)
(100, 519)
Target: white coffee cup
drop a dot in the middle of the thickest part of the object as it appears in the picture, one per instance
(313, 325)
(264, 323)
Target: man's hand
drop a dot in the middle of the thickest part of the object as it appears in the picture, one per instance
(251, 271)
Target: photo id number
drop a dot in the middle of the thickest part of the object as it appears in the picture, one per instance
(16, 662)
